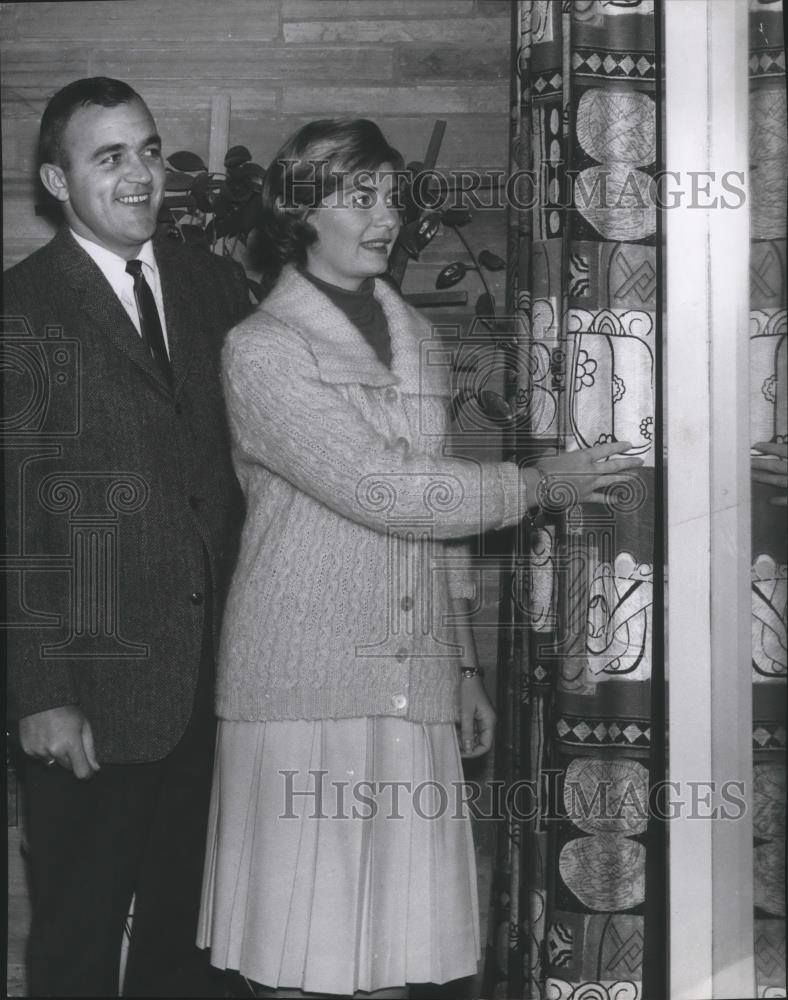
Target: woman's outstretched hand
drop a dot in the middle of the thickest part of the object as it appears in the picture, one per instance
(561, 481)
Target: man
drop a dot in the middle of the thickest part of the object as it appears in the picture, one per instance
(122, 513)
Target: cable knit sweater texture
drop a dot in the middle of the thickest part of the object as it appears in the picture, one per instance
(340, 601)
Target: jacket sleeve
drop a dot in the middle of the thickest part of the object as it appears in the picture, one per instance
(34, 683)
(285, 417)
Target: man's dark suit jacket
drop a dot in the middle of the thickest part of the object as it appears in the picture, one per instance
(116, 487)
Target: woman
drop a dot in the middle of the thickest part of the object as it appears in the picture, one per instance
(340, 858)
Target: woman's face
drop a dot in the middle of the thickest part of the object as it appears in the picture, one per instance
(356, 228)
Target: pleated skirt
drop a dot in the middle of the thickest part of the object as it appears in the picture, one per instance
(340, 856)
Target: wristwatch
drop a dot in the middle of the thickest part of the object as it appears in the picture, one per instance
(472, 671)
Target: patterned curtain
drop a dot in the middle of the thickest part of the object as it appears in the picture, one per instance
(581, 687)
(769, 422)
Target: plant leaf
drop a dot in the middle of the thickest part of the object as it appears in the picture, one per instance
(250, 174)
(175, 180)
(485, 305)
(428, 228)
(415, 235)
(456, 217)
(408, 239)
(194, 234)
(200, 189)
(241, 219)
(237, 190)
(494, 406)
(491, 261)
(451, 274)
(250, 170)
(236, 155)
(184, 160)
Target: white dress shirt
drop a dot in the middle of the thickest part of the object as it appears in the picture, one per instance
(113, 268)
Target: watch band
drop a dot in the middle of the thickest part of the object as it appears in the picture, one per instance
(472, 671)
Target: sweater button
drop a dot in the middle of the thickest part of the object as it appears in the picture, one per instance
(406, 603)
(402, 654)
(196, 597)
(399, 701)
(391, 395)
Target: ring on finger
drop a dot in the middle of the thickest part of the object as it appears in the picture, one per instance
(50, 762)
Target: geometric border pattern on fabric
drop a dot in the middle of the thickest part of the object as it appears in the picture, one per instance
(603, 732)
(769, 62)
(622, 65)
(768, 736)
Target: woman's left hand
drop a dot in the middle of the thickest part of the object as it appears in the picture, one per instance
(477, 718)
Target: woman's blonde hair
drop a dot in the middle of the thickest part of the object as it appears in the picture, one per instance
(310, 166)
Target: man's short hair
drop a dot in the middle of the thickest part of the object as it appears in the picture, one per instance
(101, 90)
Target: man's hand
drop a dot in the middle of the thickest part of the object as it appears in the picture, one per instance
(62, 734)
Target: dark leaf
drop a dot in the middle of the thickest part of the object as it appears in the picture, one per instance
(451, 274)
(194, 234)
(414, 236)
(241, 220)
(456, 217)
(228, 225)
(491, 404)
(175, 180)
(408, 238)
(250, 170)
(251, 174)
(237, 190)
(485, 305)
(200, 189)
(428, 228)
(236, 155)
(184, 160)
(221, 204)
(491, 261)
(494, 406)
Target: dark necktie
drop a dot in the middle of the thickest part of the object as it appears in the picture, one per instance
(150, 323)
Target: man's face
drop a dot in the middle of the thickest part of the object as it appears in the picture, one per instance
(111, 181)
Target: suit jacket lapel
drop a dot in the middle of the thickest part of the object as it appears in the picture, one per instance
(94, 301)
(179, 312)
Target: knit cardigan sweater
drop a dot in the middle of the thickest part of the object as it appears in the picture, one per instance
(341, 596)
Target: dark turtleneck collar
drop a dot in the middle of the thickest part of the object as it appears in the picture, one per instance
(362, 309)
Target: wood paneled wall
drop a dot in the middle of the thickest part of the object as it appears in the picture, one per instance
(403, 63)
